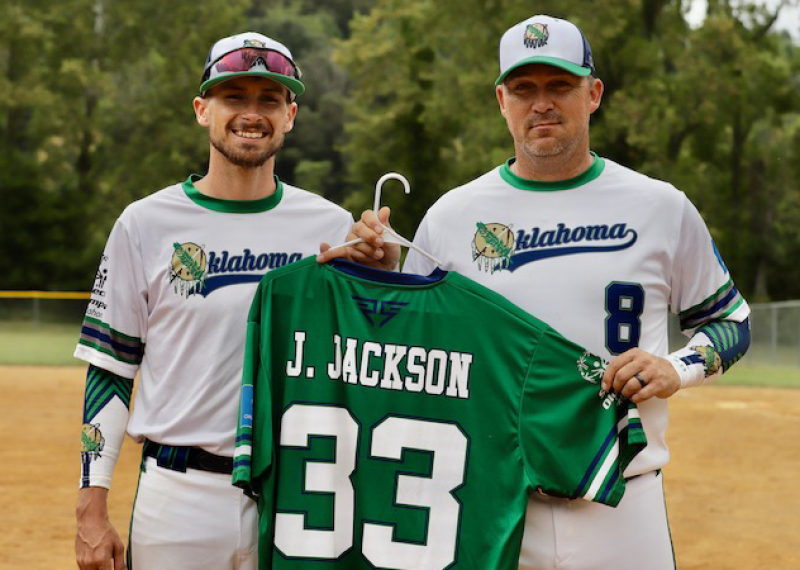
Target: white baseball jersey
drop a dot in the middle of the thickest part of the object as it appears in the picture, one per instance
(601, 257)
(171, 297)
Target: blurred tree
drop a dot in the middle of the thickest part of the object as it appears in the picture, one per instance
(312, 158)
(705, 109)
(49, 87)
(95, 111)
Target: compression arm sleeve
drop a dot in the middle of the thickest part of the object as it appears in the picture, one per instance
(713, 349)
(105, 417)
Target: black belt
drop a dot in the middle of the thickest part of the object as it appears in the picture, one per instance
(180, 458)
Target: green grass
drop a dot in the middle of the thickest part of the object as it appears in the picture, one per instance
(42, 344)
(745, 374)
(26, 343)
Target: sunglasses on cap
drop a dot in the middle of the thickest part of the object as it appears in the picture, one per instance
(247, 59)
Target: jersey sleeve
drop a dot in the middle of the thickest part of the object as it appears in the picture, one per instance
(702, 287)
(415, 262)
(575, 442)
(253, 452)
(114, 328)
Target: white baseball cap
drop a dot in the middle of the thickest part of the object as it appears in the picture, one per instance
(251, 54)
(548, 40)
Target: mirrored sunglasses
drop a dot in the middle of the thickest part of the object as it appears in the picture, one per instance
(248, 58)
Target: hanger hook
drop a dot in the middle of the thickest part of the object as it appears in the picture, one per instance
(382, 180)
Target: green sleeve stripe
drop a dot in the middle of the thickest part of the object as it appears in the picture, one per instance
(711, 332)
(110, 352)
(718, 294)
(730, 311)
(98, 335)
(717, 312)
(101, 387)
(116, 333)
(730, 337)
(724, 335)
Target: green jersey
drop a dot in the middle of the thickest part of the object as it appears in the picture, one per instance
(396, 421)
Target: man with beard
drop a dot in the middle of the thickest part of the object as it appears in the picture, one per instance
(170, 302)
(602, 254)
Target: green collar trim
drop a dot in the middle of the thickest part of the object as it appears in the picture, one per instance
(597, 167)
(232, 206)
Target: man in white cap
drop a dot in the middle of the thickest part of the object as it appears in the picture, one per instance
(599, 252)
(170, 302)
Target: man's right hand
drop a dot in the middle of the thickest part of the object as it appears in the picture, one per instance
(373, 251)
(97, 544)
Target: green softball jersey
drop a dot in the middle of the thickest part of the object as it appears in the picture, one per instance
(397, 421)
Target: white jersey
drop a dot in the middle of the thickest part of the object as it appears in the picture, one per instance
(171, 297)
(601, 258)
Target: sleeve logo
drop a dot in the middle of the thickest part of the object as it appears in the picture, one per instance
(591, 367)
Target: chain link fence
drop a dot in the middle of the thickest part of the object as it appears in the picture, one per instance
(39, 328)
(774, 335)
(43, 329)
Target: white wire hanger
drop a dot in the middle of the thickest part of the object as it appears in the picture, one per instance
(389, 235)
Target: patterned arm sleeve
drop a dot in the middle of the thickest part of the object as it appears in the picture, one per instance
(105, 417)
(714, 348)
(712, 312)
(576, 441)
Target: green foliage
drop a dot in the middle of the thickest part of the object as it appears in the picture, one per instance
(311, 157)
(709, 109)
(96, 111)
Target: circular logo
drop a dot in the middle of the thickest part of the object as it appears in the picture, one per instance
(494, 240)
(188, 262)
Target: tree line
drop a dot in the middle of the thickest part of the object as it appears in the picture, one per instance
(95, 112)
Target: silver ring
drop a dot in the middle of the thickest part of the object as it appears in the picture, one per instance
(641, 380)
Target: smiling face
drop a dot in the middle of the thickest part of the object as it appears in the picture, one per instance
(547, 111)
(247, 118)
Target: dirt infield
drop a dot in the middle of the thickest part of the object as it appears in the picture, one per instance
(732, 491)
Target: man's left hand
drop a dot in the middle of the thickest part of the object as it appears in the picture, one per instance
(638, 375)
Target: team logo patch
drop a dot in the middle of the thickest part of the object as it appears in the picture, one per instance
(92, 441)
(376, 308)
(254, 44)
(187, 268)
(591, 367)
(492, 246)
(711, 358)
(536, 35)
(496, 247)
(199, 270)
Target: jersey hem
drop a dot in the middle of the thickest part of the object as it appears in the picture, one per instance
(100, 360)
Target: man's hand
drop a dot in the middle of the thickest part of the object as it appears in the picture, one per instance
(373, 251)
(97, 544)
(638, 375)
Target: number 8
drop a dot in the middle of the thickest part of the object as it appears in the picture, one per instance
(624, 306)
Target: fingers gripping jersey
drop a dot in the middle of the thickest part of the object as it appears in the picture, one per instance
(602, 257)
(395, 421)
